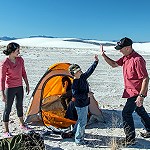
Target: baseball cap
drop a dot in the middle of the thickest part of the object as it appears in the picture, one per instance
(74, 68)
(123, 43)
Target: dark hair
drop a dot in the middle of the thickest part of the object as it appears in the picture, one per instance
(11, 47)
(65, 78)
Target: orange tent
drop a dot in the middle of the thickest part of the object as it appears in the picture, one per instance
(45, 102)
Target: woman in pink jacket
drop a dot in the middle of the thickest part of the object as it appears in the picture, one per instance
(12, 71)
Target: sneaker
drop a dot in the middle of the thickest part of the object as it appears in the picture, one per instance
(125, 142)
(145, 135)
(25, 127)
(65, 135)
(7, 135)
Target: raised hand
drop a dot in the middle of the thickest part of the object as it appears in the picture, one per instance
(102, 50)
(96, 58)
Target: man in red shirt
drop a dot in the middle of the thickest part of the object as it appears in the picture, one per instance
(135, 87)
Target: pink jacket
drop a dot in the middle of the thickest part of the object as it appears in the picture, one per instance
(11, 74)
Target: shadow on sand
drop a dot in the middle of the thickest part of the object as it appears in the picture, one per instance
(113, 120)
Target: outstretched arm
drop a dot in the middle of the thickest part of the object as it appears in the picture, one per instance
(107, 59)
(92, 68)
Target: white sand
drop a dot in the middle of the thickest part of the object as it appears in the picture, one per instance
(106, 83)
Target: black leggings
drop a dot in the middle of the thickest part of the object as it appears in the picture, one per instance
(11, 93)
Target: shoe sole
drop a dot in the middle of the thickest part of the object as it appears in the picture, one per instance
(145, 136)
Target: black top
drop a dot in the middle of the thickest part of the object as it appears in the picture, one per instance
(80, 87)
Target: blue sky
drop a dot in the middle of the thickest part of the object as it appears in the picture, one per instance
(88, 19)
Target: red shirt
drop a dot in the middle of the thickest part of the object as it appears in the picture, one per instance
(11, 74)
(134, 71)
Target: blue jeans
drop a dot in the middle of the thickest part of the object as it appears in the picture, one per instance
(79, 128)
(128, 122)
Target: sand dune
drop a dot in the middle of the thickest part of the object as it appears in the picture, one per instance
(106, 83)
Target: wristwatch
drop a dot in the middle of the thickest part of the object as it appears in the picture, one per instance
(141, 95)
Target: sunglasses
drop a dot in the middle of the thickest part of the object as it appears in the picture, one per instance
(14, 46)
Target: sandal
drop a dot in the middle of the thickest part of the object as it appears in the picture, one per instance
(7, 135)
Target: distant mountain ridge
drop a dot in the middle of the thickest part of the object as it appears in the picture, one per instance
(6, 38)
(69, 43)
(44, 36)
(90, 42)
